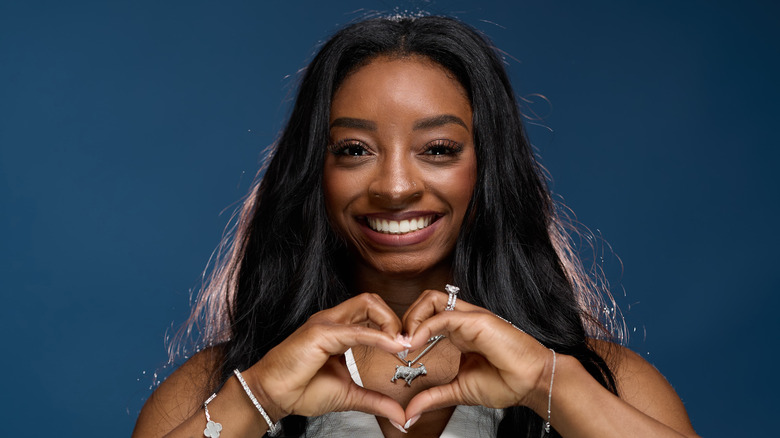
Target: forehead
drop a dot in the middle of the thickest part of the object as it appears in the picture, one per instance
(391, 82)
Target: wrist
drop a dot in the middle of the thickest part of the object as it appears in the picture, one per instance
(267, 410)
(542, 392)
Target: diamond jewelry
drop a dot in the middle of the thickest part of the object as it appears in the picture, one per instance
(452, 298)
(549, 395)
(213, 428)
(409, 373)
(273, 429)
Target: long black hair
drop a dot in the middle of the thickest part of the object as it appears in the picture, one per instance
(512, 257)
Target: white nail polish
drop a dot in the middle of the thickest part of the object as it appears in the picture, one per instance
(403, 340)
(398, 426)
(411, 421)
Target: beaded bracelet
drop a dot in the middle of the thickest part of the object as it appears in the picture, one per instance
(273, 429)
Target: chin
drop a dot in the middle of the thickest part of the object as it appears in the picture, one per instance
(407, 266)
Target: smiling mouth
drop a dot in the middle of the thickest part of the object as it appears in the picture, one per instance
(386, 226)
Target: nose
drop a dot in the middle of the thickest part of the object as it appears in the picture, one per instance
(396, 182)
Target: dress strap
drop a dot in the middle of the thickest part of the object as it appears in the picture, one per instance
(352, 367)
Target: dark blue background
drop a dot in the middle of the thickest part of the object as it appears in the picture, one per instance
(126, 128)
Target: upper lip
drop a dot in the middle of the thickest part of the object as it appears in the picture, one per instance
(400, 216)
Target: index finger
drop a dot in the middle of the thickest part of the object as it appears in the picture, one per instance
(483, 333)
(366, 308)
(430, 303)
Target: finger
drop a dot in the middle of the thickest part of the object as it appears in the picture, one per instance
(477, 332)
(309, 349)
(366, 308)
(477, 383)
(336, 339)
(433, 398)
(430, 303)
(374, 403)
(421, 309)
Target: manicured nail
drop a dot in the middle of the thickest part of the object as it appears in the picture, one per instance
(411, 421)
(398, 426)
(403, 340)
(402, 354)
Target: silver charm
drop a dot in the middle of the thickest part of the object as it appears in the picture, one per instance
(408, 373)
(212, 429)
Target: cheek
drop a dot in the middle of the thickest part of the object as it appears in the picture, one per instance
(339, 190)
(462, 197)
(463, 187)
(331, 192)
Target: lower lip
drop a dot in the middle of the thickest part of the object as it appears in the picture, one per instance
(411, 238)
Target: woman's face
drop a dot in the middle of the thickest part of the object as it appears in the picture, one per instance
(401, 165)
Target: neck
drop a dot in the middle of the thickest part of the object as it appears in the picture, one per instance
(399, 290)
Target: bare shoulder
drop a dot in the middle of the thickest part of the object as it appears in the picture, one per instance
(642, 386)
(180, 395)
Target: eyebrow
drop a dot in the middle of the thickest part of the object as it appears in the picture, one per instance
(426, 123)
(436, 121)
(349, 122)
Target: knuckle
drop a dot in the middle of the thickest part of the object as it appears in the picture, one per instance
(321, 316)
(359, 329)
(430, 294)
(366, 299)
(312, 329)
(370, 298)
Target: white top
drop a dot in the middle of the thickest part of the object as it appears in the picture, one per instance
(465, 422)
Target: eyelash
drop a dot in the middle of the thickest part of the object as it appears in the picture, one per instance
(450, 147)
(342, 147)
(444, 146)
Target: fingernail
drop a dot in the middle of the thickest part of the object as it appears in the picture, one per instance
(403, 340)
(411, 421)
(398, 426)
(408, 340)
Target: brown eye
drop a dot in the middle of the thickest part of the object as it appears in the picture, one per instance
(443, 147)
(348, 148)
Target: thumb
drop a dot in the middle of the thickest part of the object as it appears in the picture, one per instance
(434, 398)
(374, 403)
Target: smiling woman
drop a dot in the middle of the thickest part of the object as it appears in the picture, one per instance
(401, 169)
(404, 169)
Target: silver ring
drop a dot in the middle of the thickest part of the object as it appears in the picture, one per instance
(452, 298)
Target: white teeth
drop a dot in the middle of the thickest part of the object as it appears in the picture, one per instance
(399, 227)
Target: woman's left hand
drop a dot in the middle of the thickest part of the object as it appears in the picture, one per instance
(501, 366)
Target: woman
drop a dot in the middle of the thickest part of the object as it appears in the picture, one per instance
(404, 169)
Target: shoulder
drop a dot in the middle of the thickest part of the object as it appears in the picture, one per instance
(181, 394)
(641, 385)
(636, 378)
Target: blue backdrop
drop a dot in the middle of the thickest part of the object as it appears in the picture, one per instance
(127, 128)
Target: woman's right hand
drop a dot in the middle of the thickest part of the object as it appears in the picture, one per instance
(306, 374)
